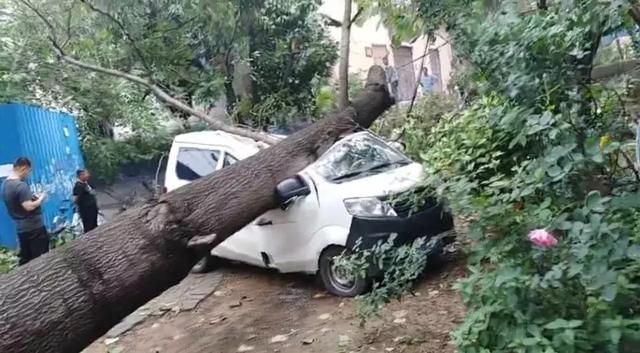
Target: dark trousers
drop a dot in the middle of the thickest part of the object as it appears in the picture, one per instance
(32, 244)
(89, 219)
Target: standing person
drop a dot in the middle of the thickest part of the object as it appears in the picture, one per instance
(392, 77)
(85, 199)
(428, 82)
(24, 209)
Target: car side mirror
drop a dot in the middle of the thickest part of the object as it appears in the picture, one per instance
(290, 189)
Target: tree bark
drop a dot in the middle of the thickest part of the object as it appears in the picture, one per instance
(345, 41)
(64, 300)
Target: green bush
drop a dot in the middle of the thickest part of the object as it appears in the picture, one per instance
(541, 148)
(531, 155)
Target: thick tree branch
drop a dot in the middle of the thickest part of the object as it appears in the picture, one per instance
(166, 98)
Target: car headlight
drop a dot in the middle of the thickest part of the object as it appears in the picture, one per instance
(369, 207)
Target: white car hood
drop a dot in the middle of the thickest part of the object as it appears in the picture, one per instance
(389, 182)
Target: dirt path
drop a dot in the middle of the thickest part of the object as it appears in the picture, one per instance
(252, 308)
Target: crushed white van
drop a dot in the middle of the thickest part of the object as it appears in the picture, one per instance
(335, 203)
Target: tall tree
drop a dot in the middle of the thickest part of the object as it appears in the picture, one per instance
(345, 44)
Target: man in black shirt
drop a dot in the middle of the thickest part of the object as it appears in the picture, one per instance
(85, 199)
(24, 209)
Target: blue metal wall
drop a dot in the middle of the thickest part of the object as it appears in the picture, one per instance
(50, 140)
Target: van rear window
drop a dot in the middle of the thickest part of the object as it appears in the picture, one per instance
(194, 163)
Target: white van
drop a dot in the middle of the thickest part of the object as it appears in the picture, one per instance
(340, 200)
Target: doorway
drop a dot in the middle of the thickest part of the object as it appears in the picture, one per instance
(434, 67)
(403, 62)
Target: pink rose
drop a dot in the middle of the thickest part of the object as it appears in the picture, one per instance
(542, 238)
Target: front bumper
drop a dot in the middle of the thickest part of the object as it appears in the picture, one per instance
(367, 232)
(433, 223)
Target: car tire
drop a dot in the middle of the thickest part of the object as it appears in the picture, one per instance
(436, 260)
(333, 282)
(204, 265)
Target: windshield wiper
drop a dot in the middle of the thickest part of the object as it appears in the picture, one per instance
(376, 167)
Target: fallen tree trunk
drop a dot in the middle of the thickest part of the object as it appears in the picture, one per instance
(64, 300)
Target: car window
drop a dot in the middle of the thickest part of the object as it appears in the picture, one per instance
(194, 163)
(359, 156)
(229, 160)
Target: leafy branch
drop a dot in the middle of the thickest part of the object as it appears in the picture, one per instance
(158, 92)
(126, 33)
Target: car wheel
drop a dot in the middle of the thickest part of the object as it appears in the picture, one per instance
(338, 281)
(435, 256)
(206, 264)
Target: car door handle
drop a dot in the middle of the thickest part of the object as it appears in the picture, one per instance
(264, 222)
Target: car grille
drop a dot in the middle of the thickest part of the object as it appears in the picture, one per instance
(411, 202)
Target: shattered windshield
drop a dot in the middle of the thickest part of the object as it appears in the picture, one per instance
(359, 156)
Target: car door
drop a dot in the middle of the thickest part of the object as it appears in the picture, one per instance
(196, 161)
(242, 246)
(284, 235)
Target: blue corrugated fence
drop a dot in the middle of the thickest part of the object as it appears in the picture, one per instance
(50, 140)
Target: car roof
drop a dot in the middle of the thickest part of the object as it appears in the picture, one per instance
(217, 137)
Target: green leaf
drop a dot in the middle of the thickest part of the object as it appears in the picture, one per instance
(634, 252)
(563, 324)
(554, 171)
(610, 292)
(593, 200)
(530, 341)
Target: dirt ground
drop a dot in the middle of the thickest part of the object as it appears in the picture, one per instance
(261, 311)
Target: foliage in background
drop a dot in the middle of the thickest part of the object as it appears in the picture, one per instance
(326, 94)
(414, 127)
(106, 157)
(291, 50)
